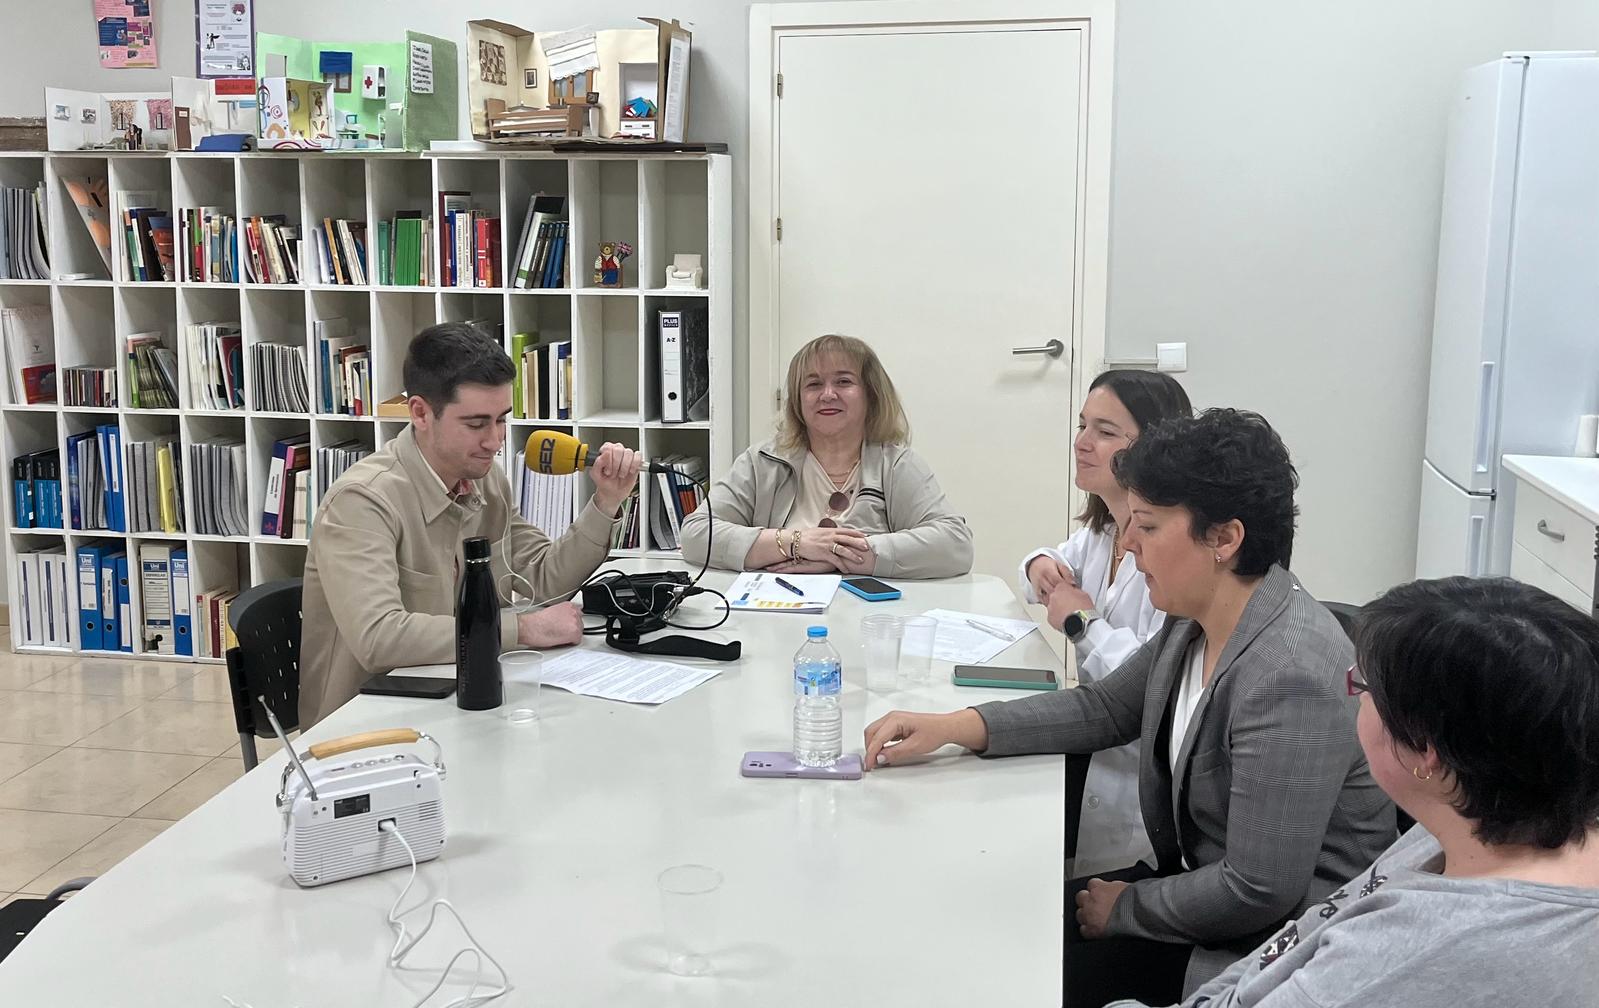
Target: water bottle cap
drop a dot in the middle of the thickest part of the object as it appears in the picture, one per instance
(816, 631)
(475, 548)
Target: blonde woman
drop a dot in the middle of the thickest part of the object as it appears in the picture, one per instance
(836, 490)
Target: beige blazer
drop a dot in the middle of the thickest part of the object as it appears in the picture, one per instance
(380, 579)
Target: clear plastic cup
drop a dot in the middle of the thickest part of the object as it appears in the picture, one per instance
(917, 637)
(689, 914)
(880, 635)
(522, 672)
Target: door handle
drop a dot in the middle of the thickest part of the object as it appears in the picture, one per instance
(1054, 348)
(1543, 527)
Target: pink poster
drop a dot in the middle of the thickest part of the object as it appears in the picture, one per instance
(127, 33)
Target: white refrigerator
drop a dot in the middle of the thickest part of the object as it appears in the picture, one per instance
(1515, 340)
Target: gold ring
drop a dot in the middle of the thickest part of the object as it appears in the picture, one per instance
(835, 549)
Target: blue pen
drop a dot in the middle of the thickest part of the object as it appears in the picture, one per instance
(791, 588)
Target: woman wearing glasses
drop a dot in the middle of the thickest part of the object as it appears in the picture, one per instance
(1255, 795)
(1096, 595)
(1479, 714)
(836, 490)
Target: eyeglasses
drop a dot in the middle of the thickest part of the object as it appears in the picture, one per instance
(836, 506)
(1357, 682)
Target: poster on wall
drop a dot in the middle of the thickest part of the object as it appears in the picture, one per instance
(126, 33)
(225, 38)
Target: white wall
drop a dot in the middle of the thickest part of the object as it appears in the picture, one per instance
(1275, 201)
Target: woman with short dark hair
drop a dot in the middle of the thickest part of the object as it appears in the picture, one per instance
(1479, 715)
(1255, 795)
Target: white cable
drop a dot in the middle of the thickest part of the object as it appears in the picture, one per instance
(402, 948)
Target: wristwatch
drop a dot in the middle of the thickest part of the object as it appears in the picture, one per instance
(1076, 624)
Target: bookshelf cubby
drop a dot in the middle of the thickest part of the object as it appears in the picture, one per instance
(659, 204)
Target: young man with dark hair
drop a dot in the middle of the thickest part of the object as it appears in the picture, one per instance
(386, 541)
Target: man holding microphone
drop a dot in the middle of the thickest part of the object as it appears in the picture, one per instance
(385, 551)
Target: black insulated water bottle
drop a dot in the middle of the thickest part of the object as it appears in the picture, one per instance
(477, 631)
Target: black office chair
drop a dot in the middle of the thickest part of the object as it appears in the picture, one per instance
(266, 619)
(1347, 615)
(21, 916)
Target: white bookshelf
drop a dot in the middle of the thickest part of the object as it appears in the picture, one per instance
(662, 204)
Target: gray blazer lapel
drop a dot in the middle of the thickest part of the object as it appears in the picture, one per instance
(1265, 605)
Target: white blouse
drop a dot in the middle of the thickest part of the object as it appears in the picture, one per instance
(1128, 618)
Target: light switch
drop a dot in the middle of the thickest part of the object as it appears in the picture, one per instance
(1171, 356)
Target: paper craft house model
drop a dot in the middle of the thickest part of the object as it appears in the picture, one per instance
(626, 82)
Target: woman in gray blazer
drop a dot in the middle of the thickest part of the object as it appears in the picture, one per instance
(1255, 794)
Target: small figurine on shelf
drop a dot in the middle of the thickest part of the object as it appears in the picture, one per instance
(608, 264)
(685, 272)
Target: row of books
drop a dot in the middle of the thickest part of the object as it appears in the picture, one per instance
(677, 494)
(216, 366)
(344, 369)
(279, 378)
(272, 250)
(89, 386)
(547, 501)
(154, 486)
(30, 349)
(333, 460)
(147, 237)
(36, 490)
(23, 234)
(625, 533)
(42, 606)
(404, 249)
(217, 467)
(86, 601)
(542, 387)
(284, 511)
(94, 479)
(469, 243)
(540, 259)
(341, 252)
(210, 243)
(152, 372)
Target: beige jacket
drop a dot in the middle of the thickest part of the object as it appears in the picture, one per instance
(380, 579)
(910, 525)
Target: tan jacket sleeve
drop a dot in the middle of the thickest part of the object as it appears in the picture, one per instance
(733, 501)
(555, 568)
(372, 620)
(930, 540)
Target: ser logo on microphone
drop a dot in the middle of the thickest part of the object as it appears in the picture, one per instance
(547, 455)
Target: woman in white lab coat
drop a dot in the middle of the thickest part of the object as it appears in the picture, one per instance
(1097, 597)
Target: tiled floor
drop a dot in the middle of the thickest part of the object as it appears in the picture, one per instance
(97, 756)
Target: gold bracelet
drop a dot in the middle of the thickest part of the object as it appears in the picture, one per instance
(793, 545)
(777, 534)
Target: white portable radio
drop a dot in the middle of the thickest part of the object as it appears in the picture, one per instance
(333, 811)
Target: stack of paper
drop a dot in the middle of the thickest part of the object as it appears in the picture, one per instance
(794, 593)
(218, 470)
(973, 638)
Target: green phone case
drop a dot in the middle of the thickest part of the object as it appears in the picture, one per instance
(960, 680)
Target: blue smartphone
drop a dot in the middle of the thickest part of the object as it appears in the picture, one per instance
(870, 589)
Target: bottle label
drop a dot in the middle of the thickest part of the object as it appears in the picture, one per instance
(818, 678)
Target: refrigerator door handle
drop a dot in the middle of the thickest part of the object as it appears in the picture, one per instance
(1479, 525)
(1484, 407)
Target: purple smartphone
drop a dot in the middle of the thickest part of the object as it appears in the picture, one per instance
(782, 764)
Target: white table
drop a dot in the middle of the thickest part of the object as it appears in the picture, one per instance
(939, 884)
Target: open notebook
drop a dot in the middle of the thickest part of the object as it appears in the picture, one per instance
(768, 592)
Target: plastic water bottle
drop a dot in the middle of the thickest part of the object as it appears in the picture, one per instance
(818, 718)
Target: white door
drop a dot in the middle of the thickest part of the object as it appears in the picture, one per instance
(927, 181)
(1453, 536)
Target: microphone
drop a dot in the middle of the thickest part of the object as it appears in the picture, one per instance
(558, 454)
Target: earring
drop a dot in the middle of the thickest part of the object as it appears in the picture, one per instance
(1218, 558)
(1416, 773)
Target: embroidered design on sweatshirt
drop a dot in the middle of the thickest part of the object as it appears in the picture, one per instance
(1275, 949)
(1373, 883)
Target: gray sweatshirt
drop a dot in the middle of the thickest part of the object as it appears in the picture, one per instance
(1401, 934)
